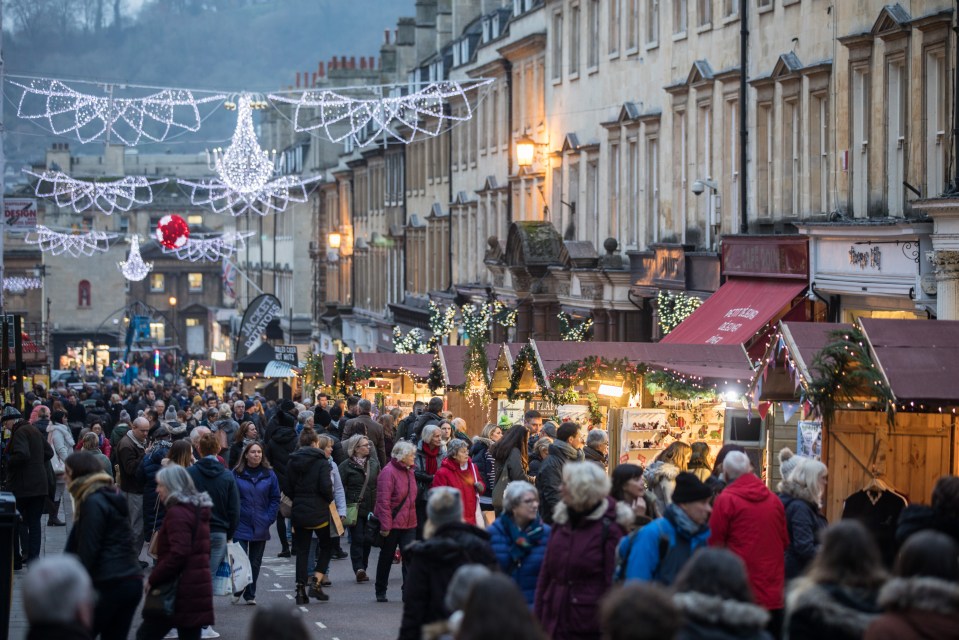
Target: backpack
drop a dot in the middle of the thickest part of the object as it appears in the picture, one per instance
(671, 559)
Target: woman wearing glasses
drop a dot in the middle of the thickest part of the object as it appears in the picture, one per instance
(519, 536)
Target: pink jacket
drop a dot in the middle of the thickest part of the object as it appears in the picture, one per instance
(395, 482)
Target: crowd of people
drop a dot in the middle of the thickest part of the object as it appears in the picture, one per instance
(518, 532)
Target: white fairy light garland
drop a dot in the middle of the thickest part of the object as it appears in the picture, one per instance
(211, 249)
(19, 284)
(74, 244)
(107, 196)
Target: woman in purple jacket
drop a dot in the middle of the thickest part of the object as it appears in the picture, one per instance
(396, 511)
(259, 503)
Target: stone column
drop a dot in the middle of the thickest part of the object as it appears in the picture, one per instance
(947, 283)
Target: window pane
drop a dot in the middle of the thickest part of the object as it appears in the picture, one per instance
(157, 282)
(195, 281)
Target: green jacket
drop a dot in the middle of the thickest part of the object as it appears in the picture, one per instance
(353, 476)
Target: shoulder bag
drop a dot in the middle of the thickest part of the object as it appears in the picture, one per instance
(353, 508)
(160, 601)
(373, 525)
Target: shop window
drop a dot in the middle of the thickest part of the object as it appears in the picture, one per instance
(195, 282)
(83, 294)
(157, 283)
(194, 220)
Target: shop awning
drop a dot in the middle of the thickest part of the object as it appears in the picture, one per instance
(736, 312)
(277, 369)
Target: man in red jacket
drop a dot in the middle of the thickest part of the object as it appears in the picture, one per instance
(749, 520)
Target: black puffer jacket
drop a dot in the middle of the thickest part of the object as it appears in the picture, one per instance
(432, 564)
(425, 418)
(278, 450)
(309, 483)
(353, 477)
(28, 458)
(101, 537)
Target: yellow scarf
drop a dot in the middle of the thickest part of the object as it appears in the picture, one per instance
(83, 486)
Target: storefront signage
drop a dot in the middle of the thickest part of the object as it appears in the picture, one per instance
(286, 353)
(261, 311)
(870, 259)
(771, 257)
(852, 259)
(20, 213)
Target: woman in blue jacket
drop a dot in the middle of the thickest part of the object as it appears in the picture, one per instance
(519, 537)
(259, 503)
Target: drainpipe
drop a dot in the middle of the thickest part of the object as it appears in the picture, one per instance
(743, 109)
(508, 67)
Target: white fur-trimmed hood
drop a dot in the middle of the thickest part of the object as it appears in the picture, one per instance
(624, 515)
(920, 593)
(713, 610)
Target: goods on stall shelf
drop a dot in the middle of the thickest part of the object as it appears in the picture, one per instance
(644, 432)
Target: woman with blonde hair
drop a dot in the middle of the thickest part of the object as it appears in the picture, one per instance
(700, 460)
(661, 475)
(90, 443)
(801, 494)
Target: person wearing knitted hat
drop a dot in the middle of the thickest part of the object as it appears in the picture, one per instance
(685, 525)
(787, 462)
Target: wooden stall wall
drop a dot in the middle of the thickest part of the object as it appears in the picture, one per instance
(778, 435)
(920, 449)
(477, 414)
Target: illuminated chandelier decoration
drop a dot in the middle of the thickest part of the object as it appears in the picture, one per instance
(95, 117)
(73, 244)
(245, 174)
(107, 197)
(363, 119)
(134, 268)
(211, 249)
(19, 284)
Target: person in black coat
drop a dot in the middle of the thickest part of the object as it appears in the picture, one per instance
(430, 416)
(942, 516)
(568, 447)
(29, 477)
(278, 450)
(101, 539)
(449, 544)
(309, 484)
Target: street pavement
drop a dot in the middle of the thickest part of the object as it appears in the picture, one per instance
(352, 612)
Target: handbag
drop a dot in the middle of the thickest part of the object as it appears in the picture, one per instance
(373, 523)
(58, 467)
(353, 508)
(286, 506)
(160, 601)
(478, 515)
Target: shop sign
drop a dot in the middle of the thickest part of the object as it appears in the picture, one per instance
(286, 353)
(766, 257)
(888, 257)
(20, 213)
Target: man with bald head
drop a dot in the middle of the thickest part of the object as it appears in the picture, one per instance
(130, 451)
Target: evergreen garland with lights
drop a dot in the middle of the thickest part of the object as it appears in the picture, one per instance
(435, 379)
(412, 342)
(574, 332)
(476, 321)
(313, 372)
(347, 379)
(673, 308)
(442, 323)
(677, 389)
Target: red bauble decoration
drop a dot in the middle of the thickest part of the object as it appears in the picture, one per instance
(173, 231)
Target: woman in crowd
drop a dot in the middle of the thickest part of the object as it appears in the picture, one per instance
(395, 509)
(150, 465)
(519, 537)
(458, 471)
(309, 484)
(281, 444)
(629, 488)
(448, 544)
(801, 493)
(713, 593)
(100, 538)
(429, 455)
(493, 610)
(511, 454)
(103, 443)
(181, 453)
(538, 455)
(61, 438)
(484, 463)
(359, 473)
(244, 436)
(581, 554)
(446, 430)
(90, 444)
(942, 515)
(700, 460)
(259, 503)
(389, 430)
(183, 555)
(922, 601)
(836, 598)
(661, 474)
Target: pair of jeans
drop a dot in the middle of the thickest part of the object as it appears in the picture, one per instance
(360, 544)
(117, 601)
(31, 537)
(156, 628)
(254, 551)
(217, 551)
(401, 538)
(324, 547)
(135, 509)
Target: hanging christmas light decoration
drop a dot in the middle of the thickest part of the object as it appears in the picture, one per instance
(106, 197)
(245, 174)
(95, 117)
(74, 244)
(172, 232)
(378, 109)
(19, 284)
(134, 268)
(212, 249)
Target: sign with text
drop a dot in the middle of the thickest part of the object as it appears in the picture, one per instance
(766, 257)
(261, 311)
(286, 353)
(20, 213)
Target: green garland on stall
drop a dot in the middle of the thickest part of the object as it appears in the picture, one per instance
(673, 308)
(347, 379)
(660, 381)
(846, 373)
(525, 356)
(313, 372)
(435, 379)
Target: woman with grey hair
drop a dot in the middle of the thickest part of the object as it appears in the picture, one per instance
(395, 509)
(519, 537)
(459, 472)
(359, 473)
(183, 554)
(430, 451)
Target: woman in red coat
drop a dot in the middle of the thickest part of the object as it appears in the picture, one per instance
(459, 472)
(184, 553)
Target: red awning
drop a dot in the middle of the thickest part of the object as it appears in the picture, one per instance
(736, 312)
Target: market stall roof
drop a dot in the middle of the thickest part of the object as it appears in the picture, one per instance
(453, 362)
(805, 340)
(919, 358)
(788, 359)
(503, 365)
(256, 360)
(277, 369)
(418, 364)
(737, 312)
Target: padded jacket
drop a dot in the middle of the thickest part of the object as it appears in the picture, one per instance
(309, 484)
(101, 537)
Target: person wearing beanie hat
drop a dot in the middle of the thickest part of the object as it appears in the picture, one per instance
(787, 462)
(449, 544)
(685, 525)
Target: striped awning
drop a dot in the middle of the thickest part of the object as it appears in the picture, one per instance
(277, 369)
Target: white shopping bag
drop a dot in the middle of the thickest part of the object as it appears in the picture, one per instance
(241, 573)
(221, 581)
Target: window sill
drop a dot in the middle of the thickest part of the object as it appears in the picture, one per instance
(632, 51)
(573, 76)
(679, 36)
(652, 45)
(591, 71)
(703, 28)
(768, 8)
(730, 19)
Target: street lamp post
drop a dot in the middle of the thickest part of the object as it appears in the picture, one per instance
(176, 334)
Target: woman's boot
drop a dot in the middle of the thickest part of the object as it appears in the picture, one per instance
(316, 588)
(53, 515)
(301, 597)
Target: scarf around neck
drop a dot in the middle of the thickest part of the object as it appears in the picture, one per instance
(431, 456)
(80, 488)
(569, 450)
(135, 441)
(523, 541)
(683, 523)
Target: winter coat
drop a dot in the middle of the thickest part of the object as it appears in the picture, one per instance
(804, 522)
(819, 611)
(62, 440)
(71, 631)
(430, 567)
(309, 484)
(661, 481)
(510, 471)
(259, 503)
(104, 447)
(129, 454)
(426, 418)
(535, 465)
(550, 477)
(100, 537)
(578, 568)
(709, 617)
(353, 477)
(278, 449)
(526, 573)
(919, 517)
(424, 480)
(372, 429)
(147, 474)
(28, 456)
(749, 520)
(183, 550)
(211, 477)
(644, 551)
(592, 455)
(394, 483)
(450, 475)
(485, 466)
(917, 608)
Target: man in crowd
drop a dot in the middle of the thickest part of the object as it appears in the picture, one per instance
(567, 447)
(130, 451)
(597, 447)
(430, 416)
(405, 427)
(365, 424)
(533, 420)
(27, 456)
(58, 599)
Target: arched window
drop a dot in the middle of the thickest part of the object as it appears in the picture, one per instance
(83, 293)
